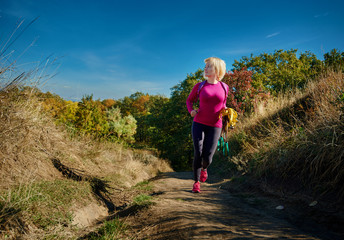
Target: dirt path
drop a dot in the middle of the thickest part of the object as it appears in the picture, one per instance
(214, 214)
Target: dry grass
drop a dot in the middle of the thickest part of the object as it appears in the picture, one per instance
(297, 138)
(29, 141)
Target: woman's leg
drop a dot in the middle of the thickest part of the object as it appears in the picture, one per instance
(211, 137)
(197, 137)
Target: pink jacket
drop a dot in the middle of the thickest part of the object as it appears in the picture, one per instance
(212, 99)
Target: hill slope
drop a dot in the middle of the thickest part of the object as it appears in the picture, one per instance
(47, 178)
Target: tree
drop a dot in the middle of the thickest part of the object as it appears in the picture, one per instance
(334, 60)
(108, 103)
(121, 128)
(243, 97)
(52, 103)
(90, 118)
(171, 126)
(68, 114)
(280, 71)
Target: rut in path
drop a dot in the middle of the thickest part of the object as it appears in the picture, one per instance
(214, 214)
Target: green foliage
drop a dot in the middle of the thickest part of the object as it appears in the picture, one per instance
(90, 118)
(152, 132)
(282, 70)
(136, 104)
(67, 114)
(140, 106)
(171, 126)
(334, 60)
(121, 127)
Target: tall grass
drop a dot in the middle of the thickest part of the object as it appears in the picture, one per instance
(44, 206)
(297, 138)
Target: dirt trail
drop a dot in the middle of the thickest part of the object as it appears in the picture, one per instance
(213, 214)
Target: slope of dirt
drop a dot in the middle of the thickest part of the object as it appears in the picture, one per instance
(216, 214)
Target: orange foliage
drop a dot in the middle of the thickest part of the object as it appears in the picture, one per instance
(108, 103)
(140, 104)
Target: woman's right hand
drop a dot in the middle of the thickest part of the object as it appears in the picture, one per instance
(193, 113)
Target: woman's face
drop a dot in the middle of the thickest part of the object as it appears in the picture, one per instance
(209, 71)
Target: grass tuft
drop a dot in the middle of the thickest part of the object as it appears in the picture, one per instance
(114, 229)
(144, 185)
(143, 200)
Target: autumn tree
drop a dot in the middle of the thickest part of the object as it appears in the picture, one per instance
(90, 118)
(243, 97)
(108, 103)
(138, 105)
(52, 103)
(68, 114)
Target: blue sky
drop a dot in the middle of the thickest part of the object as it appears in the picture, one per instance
(112, 49)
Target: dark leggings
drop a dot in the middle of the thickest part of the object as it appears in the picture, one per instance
(205, 140)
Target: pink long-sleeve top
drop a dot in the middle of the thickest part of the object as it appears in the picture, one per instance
(211, 102)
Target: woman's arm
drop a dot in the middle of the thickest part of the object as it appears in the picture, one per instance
(192, 98)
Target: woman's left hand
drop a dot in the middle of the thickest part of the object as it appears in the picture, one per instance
(193, 113)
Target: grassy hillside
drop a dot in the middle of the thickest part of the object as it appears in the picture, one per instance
(47, 178)
(295, 142)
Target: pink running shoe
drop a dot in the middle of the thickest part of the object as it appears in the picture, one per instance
(196, 187)
(204, 175)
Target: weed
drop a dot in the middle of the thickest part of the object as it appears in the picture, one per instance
(144, 185)
(110, 230)
(48, 203)
(143, 200)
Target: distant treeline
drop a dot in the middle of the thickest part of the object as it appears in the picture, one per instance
(164, 123)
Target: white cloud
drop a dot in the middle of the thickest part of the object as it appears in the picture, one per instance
(321, 15)
(273, 35)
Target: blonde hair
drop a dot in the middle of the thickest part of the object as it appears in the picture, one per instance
(218, 64)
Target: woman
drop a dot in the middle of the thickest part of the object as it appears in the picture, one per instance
(207, 123)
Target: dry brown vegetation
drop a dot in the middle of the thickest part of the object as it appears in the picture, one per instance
(36, 160)
(296, 141)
